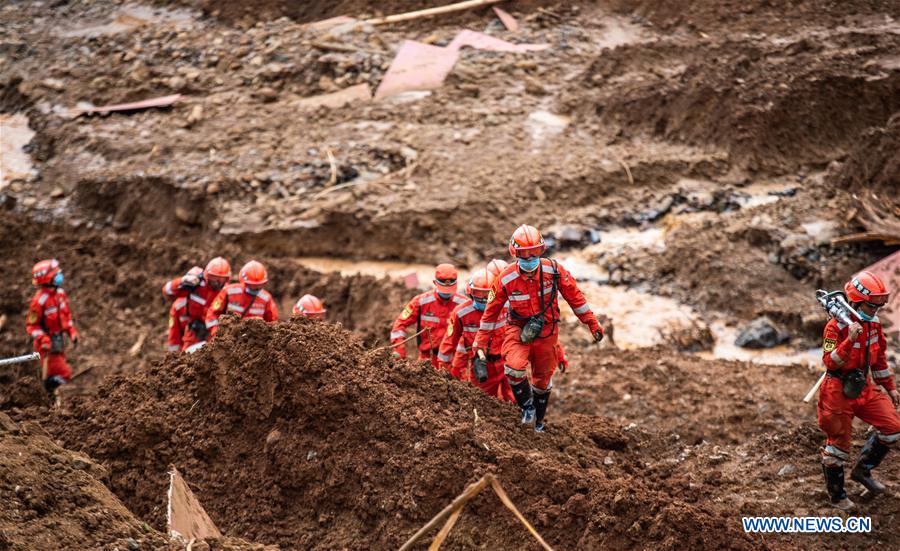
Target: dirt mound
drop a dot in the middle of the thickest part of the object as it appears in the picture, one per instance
(874, 164)
(43, 486)
(773, 104)
(332, 448)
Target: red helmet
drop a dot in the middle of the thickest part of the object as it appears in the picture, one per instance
(218, 267)
(445, 278)
(254, 273)
(43, 272)
(309, 306)
(867, 287)
(480, 285)
(496, 266)
(526, 242)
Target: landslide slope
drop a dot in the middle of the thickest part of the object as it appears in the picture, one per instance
(293, 434)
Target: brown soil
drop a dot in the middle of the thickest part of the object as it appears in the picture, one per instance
(54, 498)
(335, 449)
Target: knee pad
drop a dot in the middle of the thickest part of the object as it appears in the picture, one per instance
(514, 375)
(833, 456)
(889, 440)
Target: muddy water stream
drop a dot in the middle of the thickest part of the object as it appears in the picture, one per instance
(641, 319)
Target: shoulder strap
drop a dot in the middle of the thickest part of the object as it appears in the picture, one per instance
(866, 368)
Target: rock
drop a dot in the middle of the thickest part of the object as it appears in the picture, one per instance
(57, 193)
(132, 545)
(821, 231)
(196, 114)
(185, 214)
(786, 470)
(177, 83)
(81, 462)
(761, 333)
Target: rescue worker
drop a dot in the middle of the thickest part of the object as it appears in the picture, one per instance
(456, 348)
(310, 306)
(532, 286)
(496, 266)
(246, 299)
(428, 312)
(849, 353)
(49, 321)
(193, 293)
(209, 281)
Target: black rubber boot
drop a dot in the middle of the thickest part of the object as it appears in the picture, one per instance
(834, 484)
(541, 400)
(51, 384)
(869, 458)
(522, 393)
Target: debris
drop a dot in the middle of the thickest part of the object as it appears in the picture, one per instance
(543, 124)
(483, 41)
(786, 470)
(882, 223)
(761, 333)
(136, 347)
(187, 520)
(360, 92)
(411, 280)
(331, 22)
(888, 269)
(3, 319)
(164, 101)
(417, 66)
(508, 21)
(451, 513)
(333, 165)
(419, 14)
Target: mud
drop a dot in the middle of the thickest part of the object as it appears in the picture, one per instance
(691, 162)
(283, 412)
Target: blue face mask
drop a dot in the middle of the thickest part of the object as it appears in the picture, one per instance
(864, 316)
(445, 296)
(529, 264)
(480, 306)
(57, 279)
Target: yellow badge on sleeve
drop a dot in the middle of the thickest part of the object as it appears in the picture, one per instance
(171, 322)
(217, 304)
(32, 317)
(829, 345)
(449, 329)
(406, 313)
(491, 296)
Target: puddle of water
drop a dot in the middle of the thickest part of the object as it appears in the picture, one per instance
(641, 320)
(725, 349)
(544, 124)
(15, 164)
(130, 17)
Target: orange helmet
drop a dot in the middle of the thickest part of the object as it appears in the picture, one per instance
(445, 278)
(496, 266)
(310, 306)
(218, 267)
(254, 273)
(867, 287)
(480, 285)
(43, 272)
(526, 242)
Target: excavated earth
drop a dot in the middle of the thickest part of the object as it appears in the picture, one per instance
(745, 133)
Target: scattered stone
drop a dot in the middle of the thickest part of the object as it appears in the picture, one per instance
(761, 333)
(132, 545)
(786, 470)
(196, 114)
(57, 193)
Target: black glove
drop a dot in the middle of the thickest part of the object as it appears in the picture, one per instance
(189, 282)
(479, 366)
(598, 335)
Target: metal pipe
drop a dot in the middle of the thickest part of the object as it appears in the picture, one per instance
(20, 359)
